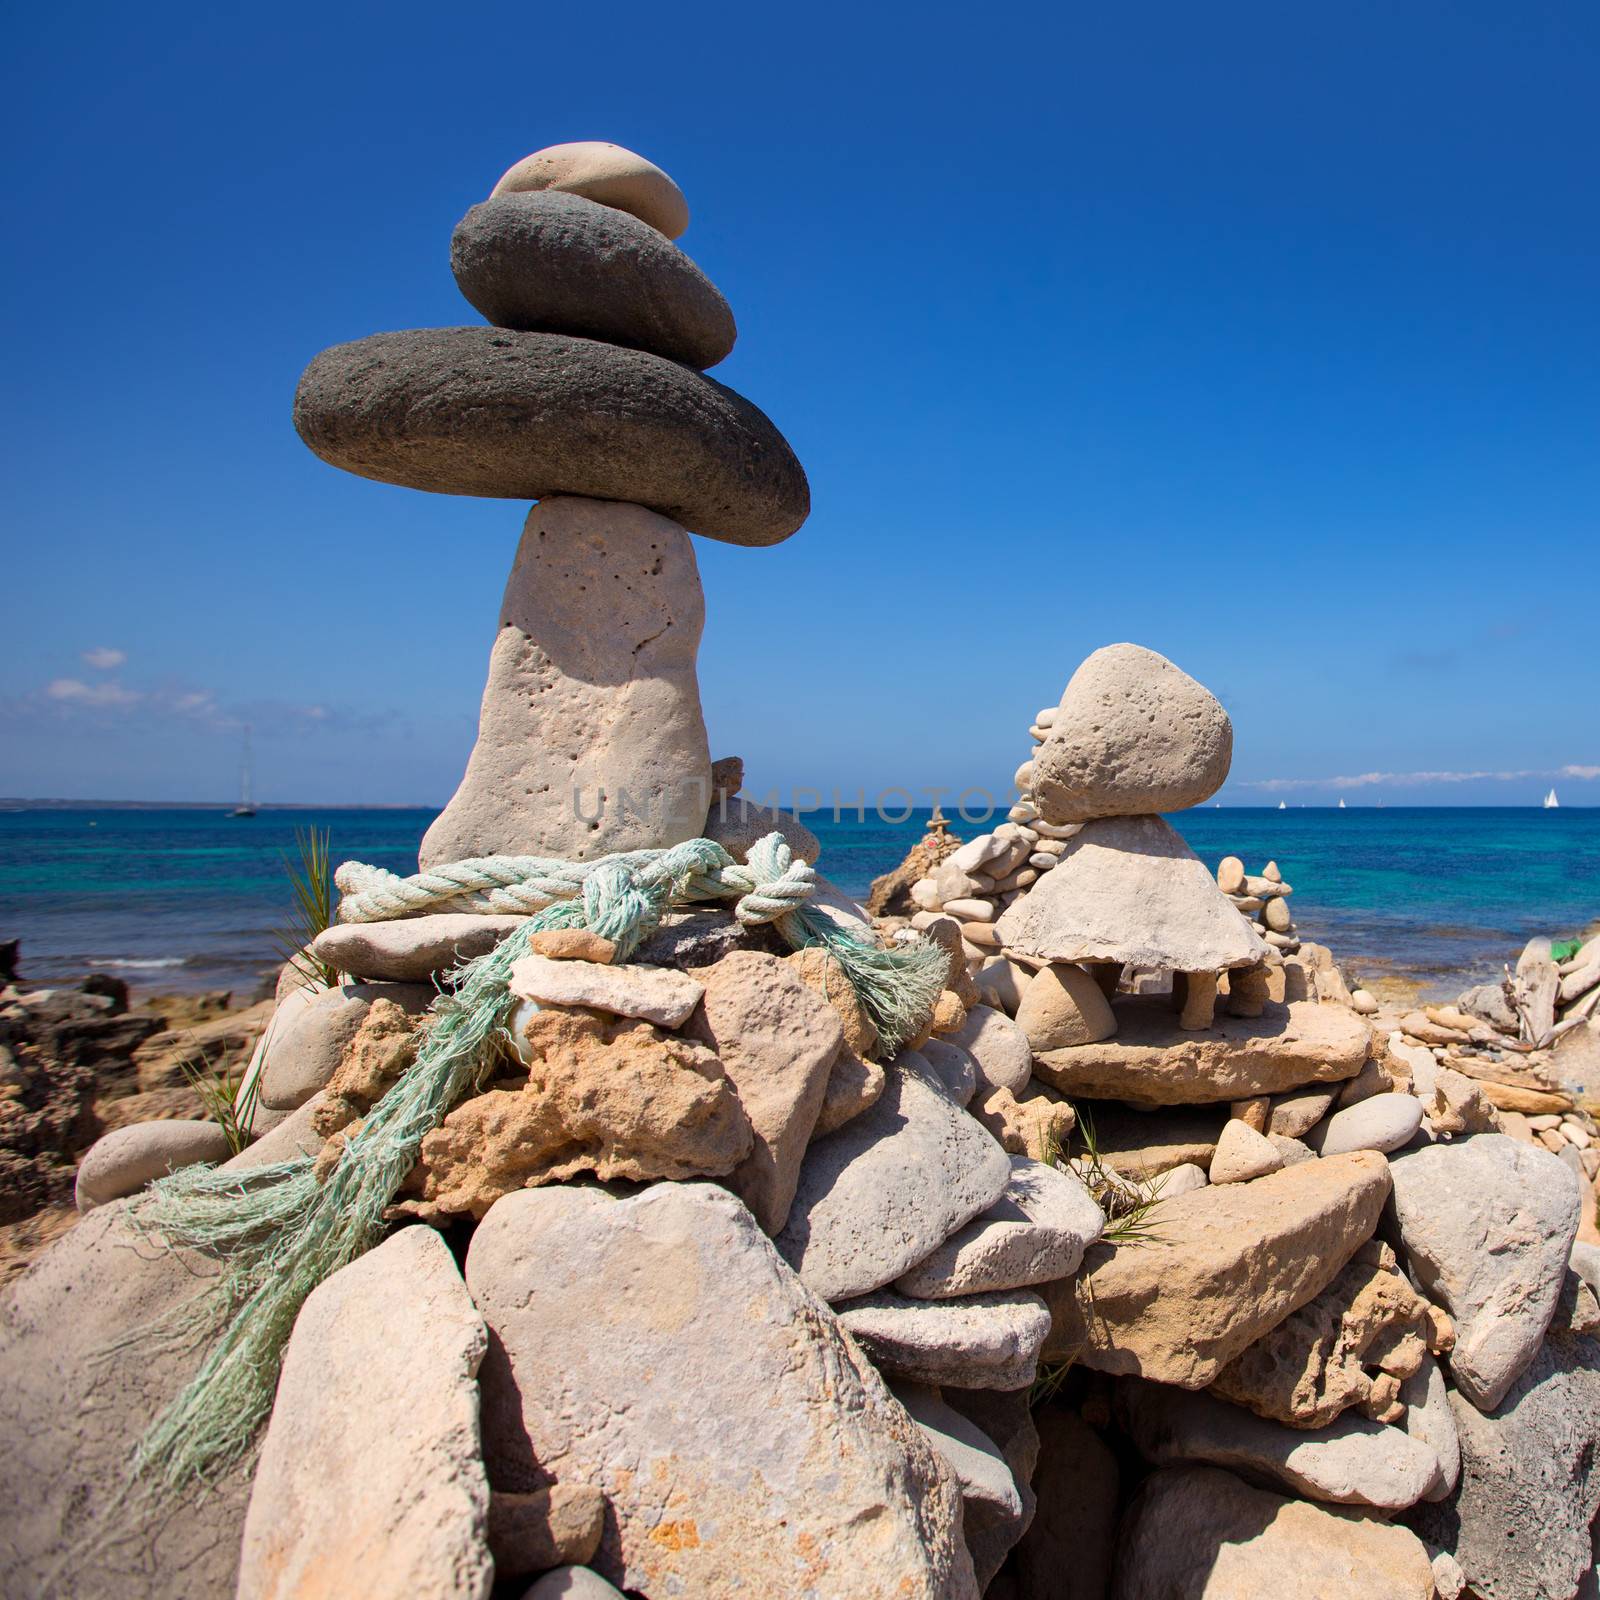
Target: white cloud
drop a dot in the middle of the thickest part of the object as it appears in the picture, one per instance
(75, 691)
(103, 658)
(1368, 780)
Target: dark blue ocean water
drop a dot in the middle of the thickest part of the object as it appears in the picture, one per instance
(188, 898)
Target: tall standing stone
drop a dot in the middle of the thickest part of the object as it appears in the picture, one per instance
(590, 739)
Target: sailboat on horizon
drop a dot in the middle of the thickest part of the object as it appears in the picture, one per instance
(1283, 805)
(1551, 803)
(246, 806)
(1341, 802)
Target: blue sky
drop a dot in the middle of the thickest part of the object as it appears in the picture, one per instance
(1261, 335)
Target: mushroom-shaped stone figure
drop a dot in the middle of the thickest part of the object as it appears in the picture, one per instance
(1133, 736)
(586, 394)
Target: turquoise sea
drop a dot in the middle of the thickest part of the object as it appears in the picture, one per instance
(187, 898)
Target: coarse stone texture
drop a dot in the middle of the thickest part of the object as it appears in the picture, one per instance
(652, 994)
(1295, 1114)
(1064, 1006)
(1066, 1552)
(311, 1031)
(1198, 1533)
(877, 1196)
(1035, 1232)
(383, 1047)
(1519, 1521)
(687, 940)
(1154, 1062)
(853, 1086)
(606, 173)
(1353, 1462)
(1133, 735)
(1002, 983)
(982, 1341)
(999, 1047)
(371, 1478)
(1312, 1366)
(805, 1470)
(544, 1528)
(777, 1041)
(411, 949)
(1429, 1417)
(73, 1405)
(572, 944)
(1383, 1122)
(557, 263)
(523, 416)
(1142, 1144)
(1487, 1224)
(1040, 1125)
(823, 974)
(620, 1100)
(1233, 1262)
(1242, 1154)
(590, 735)
(1128, 889)
(126, 1159)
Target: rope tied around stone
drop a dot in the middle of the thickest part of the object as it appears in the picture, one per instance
(282, 1230)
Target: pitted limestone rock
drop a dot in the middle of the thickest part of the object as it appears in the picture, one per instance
(591, 738)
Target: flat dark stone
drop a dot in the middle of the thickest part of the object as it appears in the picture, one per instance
(518, 416)
(548, 262)
(693, 939)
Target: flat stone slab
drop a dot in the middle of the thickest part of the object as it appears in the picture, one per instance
(888, 1187)
(1199, 1533)
(1154, 1062)
(659, 1349)
(1129, 889)
(1351, 1462)
(518, 416)
(985, 1341)
(371, 1478)
(1488, 1223)
(548, 262)
(653, 994)
(411, 949)
(987, 1485)
(1035, 1232)
(1227, 1264)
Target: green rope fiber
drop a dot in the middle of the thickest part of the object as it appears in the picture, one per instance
(281, 1231)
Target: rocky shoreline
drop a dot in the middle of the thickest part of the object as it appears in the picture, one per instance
(614, 1207)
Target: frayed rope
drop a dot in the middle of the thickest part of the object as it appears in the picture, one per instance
(281, 1231)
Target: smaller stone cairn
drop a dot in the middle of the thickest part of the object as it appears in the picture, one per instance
(1263, 900)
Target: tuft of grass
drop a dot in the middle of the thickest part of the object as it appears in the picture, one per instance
(311, 881)
(229, 1102)
(1128, 1205)
(1048, 1384)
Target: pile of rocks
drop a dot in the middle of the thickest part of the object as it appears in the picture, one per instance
(698, 1291)
(1262, 899)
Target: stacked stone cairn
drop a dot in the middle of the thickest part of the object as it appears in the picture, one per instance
(1084, 1290)
(1263, 899)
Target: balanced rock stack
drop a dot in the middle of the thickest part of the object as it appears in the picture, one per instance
(1263, 900)
(586, 394)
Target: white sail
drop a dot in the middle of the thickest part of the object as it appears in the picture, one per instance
(1550, 801)
(1341, 804)
(1283, 805)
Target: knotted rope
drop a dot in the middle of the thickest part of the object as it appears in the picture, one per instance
(281, 1230)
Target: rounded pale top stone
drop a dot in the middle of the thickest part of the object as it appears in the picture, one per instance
(1133, 735)
(606, 173)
